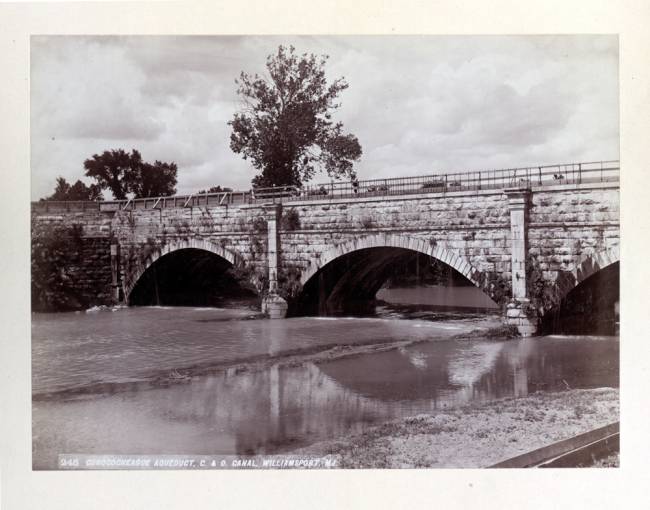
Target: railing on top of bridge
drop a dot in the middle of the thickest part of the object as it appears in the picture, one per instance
(200, 199)
(571, 173)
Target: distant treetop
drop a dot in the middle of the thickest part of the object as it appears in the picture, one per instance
(78, 191)
(124, 173)
(215, 189)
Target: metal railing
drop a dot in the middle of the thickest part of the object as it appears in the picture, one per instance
(194, 200)
(548, 175)
(571, 173)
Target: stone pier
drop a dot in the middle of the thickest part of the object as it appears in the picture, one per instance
(115, 272)
(273, 304)
(519, 311)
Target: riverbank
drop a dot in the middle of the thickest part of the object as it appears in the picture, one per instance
(476, 435)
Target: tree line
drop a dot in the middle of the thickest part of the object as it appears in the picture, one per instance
(121, 173)
(285, 127)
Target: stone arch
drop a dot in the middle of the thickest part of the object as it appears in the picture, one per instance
(587, 265)
(389, 240)
(134, 276)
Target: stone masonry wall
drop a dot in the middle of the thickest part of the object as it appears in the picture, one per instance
(84, 268)
(473, 226)
(565, 223)
(91, 271)
(239, 230)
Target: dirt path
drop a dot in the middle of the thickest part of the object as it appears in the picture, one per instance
(476, 435)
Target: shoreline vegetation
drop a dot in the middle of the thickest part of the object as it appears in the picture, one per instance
(477, 435)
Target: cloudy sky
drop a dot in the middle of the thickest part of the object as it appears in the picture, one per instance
(418, 105)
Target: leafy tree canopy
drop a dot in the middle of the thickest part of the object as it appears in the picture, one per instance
(154, 180)
(124, 173)
(285, 126)
(215, 189)
(78, 191)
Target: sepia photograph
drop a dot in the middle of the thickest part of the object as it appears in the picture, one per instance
(324, 251)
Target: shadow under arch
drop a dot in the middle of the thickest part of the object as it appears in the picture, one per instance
(135, 275)
(394, 241)
(588, 265)
(586, 298)
(349, 274)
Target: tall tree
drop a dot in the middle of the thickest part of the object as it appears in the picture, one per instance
(78, 191)
(154, 180)
(114, 170)
(285, 126)
(125, 173)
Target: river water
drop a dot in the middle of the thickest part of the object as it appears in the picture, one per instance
(94, 376)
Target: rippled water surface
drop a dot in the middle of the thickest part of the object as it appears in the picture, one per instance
(277, 408)
(76, 349)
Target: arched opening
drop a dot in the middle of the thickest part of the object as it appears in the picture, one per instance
(356, 282)
(191, 277)
(592, 307)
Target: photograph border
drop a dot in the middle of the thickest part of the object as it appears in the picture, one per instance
(20, 487)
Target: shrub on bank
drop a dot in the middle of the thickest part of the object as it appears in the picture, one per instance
(290, 220)
(53, 251)
(503, 331)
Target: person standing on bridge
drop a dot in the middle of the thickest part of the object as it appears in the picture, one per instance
(355, 184)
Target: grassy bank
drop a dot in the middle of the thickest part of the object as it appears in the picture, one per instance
(476, 435)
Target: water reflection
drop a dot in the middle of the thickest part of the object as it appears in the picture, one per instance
(438, 295)
(283, 407)
(77, 349)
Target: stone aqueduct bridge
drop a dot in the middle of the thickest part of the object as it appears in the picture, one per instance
(560, 224)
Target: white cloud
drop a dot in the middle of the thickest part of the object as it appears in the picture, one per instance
(417, 104)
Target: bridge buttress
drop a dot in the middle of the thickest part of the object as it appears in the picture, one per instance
(115, 272)
(273, 305)
(519, 312)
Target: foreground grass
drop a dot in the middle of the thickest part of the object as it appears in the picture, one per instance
(476, 435)
(613, 460)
